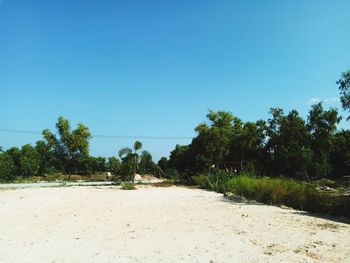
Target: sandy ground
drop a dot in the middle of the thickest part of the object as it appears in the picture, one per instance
(106, 224)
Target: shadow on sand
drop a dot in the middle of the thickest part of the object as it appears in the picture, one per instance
(242, 201)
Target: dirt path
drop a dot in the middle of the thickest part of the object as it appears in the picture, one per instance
(106, 224)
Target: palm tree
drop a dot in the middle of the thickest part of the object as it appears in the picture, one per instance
(127, 152)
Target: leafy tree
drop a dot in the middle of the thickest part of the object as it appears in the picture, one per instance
(127, 165)
(114, 165)
(246, 145)
(148, 166)
(180, 158)
(288, 144)
(91, 165)
(340, 155)
(322, 126)
(47, 158)
(29, 161)
(70, 147)
(7, 167)
(130, 159)
(344, 87)
(163, 163)
(15, 154)
(210, 147)
(101, 164)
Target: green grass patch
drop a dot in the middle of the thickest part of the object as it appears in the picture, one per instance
(277, 191)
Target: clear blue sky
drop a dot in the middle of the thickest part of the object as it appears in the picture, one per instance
(155, 67)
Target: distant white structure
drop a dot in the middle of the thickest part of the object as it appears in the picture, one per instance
(137, 177)
(109, 175)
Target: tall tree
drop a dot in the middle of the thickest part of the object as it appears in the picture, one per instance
(344, 88)
(114, 165)
(47, 159)
(322, 124)
(15, 154)
(29, 161)
(163, 163)
(70, 147)
(180, 158)
(246, 145)
(211, 146)
(130, 159)
(288, 144)
(340, 155)
(7, 167)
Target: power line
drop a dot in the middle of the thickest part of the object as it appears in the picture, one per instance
(107, 136)
(19, 131)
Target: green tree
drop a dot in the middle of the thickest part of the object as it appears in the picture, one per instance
(180, 159)
(127, 165)
(344, 88)
(15, 154)
(130, 159)
(148, 166)
(322, 125)
(340, 155)
(7, 167)
(70, 147)
(211, 146)
(29, 161)
(246, 145)
(288, 144)
(163, 163)
(47, 158)
(114, 165)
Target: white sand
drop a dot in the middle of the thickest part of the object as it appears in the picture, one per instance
(105, 224)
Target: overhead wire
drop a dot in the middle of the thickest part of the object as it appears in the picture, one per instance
(103, 136)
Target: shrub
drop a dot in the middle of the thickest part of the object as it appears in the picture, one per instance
(278, 191)
(127, 186)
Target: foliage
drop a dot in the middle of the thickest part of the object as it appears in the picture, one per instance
(114, 165)
(277, 191)
(344, 88)
(90, 165)
(322, 126)
(127, 186)
(29, 161)
(46, 157)
(7, 167)
(163, 163)
(15, 154)
(70, 147)
(284, 145)
(340, 154)
(133, 162)
(289, 143)
(148, 166)
(180, 158)
(211, 145)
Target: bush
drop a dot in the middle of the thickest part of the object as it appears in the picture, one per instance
(127, 186)
(277, 191)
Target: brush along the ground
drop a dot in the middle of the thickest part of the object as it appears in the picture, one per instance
(277, 191)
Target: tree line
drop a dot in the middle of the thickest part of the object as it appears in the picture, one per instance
(67, 152)
(284, 145)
